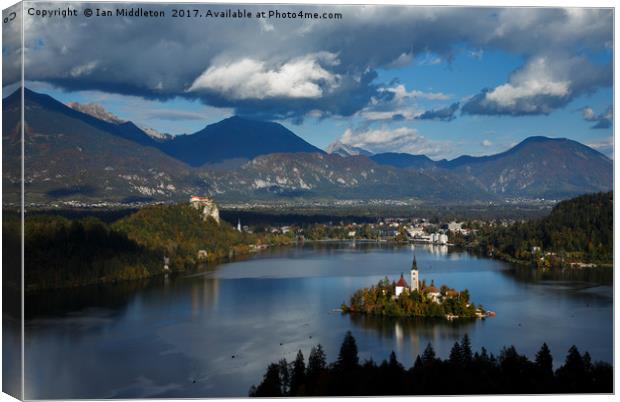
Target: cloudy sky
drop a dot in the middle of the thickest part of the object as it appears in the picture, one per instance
(436, 81)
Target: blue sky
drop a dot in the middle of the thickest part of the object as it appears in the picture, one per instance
(442, 82)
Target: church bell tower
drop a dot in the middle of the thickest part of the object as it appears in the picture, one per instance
(415, 283)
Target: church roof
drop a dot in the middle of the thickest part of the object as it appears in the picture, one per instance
(431, 289)
(401, 282)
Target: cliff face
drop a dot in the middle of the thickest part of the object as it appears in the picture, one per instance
(208, 206)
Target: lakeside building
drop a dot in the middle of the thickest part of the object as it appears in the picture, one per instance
(439, 238)
(418, 233)
(415, 231)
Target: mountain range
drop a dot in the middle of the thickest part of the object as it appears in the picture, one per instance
(82, 152)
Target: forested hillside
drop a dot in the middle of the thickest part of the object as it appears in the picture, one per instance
(65, 252)
(179, 232)
(576, 230)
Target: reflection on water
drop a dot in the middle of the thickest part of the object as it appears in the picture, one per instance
(204, 297)
(602, 275)
(437, 249)
(213, 332)
(416, 332)
(115, 298)
(12, 334)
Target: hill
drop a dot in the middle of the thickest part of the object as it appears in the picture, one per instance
(179, 232)
(73, 155)
(326, 176)
(122, 129)
(403, 160)
(235, 138)
(69, 253)
(76, 252)
(576, 230)
(538, 167)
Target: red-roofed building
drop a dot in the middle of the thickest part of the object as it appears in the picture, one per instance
(197, 198)
(401, 285)
(433, 293)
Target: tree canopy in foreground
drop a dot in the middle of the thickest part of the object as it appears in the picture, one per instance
(463, 372)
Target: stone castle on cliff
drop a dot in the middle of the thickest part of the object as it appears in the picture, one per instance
(207, 205)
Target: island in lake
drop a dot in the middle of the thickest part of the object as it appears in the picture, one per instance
(416, 300)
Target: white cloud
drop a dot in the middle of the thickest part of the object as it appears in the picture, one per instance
(605, 146)
(83, 69)
(407, 114)
(303, 77)
(401, 61)
(402, 139)
(603, 120)
(486, 143)
(588, 114)
(536, 79)
(542, 85)
(429, 60)
(367, 40)
(401, 105)
(400, 93)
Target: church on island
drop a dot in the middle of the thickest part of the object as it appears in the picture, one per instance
(414, 276)
(417, 299)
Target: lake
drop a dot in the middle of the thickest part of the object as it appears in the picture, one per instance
(212, 333)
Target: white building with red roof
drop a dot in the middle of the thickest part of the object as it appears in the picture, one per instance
(433, 293)
(401, 285)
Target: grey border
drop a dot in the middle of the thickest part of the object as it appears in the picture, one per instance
(222, 3)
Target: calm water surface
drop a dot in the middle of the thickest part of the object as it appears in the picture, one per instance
(213, 333)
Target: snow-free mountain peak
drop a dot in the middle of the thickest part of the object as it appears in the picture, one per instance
(96, 110)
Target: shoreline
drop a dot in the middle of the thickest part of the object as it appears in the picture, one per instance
(262, 248)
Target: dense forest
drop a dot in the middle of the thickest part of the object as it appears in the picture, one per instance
(381, 300)
(579, 230)
(64, 252)
(179, 232)
(463, 372)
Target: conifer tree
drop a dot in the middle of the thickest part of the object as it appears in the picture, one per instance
(298, 375)
(348, 358)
